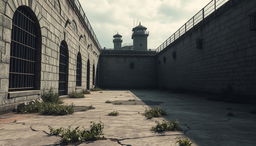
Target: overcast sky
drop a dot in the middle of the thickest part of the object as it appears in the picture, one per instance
(161, 17)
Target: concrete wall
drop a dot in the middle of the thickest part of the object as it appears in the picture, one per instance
(52, 21)
(227, 61)
(116, 70)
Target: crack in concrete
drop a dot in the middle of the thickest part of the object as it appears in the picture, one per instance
(119, 140)
(33, 129)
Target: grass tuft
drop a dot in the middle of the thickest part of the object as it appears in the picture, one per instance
(51, 97)
(108, 101)
(184, 142)
(166, 126)
(96, 89)
(154, 112)
(75, 94)
(78, 135)
(114, 113)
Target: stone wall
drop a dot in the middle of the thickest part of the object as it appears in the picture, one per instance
(127, 69)
(53, 18)
(226, 61)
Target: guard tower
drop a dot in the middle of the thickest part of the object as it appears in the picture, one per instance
(140, 38)
(117, 41)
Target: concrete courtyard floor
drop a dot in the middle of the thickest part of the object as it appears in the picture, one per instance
(204, 122)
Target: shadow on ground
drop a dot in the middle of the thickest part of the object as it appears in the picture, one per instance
(205, 122)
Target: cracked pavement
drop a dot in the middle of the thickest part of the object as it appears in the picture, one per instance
(204, 122)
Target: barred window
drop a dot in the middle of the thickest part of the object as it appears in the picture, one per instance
(63, 69)
(25, 53)
(88, 75)
(79, 70)
(93, 75)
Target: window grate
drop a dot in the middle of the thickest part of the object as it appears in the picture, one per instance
(63, 69)
(25, 52)
(79, 70)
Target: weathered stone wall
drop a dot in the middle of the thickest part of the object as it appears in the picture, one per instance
(225, 63)
(52, 19)
(127, 70)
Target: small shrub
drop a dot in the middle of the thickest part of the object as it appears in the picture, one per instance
(45, 108)
(154, 112)
(31, 107)
(114, 113)
(75, 94)
(86, 91)
(56, 109)
(51, 97)
(96, 89)
(108, 101)
(78, 135)
(184, 142)
(166, 126)
(131, 100)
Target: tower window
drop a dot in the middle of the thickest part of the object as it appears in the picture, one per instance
(131, 65)
(25, 51)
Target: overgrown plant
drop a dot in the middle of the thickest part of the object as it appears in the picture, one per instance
(51, 97)
(45, 108)
(96, 89)
(184, 142)
(114, 113)
(166, 126)
(56, 109)
(31, 107)
(154, 112)
(78, 135)
(75, 94)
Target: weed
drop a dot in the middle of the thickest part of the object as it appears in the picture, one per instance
(166, 126)
(96, 89)
(154, 112)
(51, 97)
(45, 108)
(114, 113)
(184, 142)
(78, 135)
(56, 109)
(75, 94)
(131, 100)
(31, 107)
(108, 101)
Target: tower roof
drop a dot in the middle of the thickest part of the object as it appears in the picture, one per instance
(117, 35)
(139, 27)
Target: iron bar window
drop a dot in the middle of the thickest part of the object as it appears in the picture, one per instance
(25, 51)
(63, 69)
(79, 70)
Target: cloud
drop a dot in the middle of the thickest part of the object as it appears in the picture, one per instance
(161, 17)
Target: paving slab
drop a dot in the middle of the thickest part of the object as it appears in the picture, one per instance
(204, 122)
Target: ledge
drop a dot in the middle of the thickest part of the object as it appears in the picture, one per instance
(23, 93)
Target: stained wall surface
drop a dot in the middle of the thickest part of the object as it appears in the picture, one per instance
(59, 21)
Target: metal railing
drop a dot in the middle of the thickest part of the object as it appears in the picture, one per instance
(211, 7)
(86, 21)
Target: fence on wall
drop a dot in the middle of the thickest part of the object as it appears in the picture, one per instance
(211, 7)
(76, 4)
